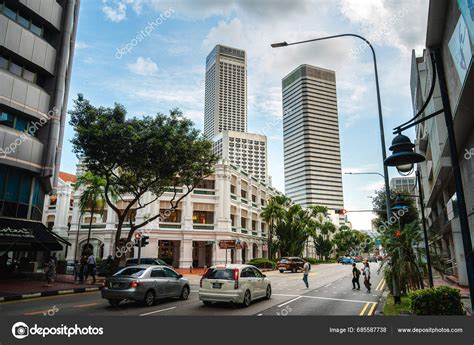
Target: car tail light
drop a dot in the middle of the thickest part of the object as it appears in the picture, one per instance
(236, 278)
(134, 284)
(200, 282)
(104, 284)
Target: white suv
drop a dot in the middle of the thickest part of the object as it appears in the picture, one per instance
(234, 283)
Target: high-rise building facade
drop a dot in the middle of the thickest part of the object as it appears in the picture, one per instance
(247, 150)
(226, 91)
(36, 51)
(404, 184)
(225, 112)
(312, 155)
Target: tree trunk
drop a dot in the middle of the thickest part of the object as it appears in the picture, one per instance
(270, 241)
(90, 224)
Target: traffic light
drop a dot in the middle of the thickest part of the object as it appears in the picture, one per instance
(145, 240)
(343, 212)
(137, 239)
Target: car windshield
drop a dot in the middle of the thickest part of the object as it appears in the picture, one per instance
(220, 273)
(130, 272)
(284, 260)
(142, 262)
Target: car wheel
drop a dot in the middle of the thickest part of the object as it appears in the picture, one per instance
(114, 302)
(185, 293)
(268, 294)
(207, 303)
(149, 298)
(281, 271)
(247, 299)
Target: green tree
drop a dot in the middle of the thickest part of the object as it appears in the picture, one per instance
(274, 209)
(135, 156)
(398, 234)
(92, 197)
(292, 230)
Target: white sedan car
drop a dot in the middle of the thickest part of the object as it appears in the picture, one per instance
(234, 283)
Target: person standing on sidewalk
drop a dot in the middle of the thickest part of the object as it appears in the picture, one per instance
(306, 269)
(355, 277)
(91, 268)
(50, 271)
(366, 273)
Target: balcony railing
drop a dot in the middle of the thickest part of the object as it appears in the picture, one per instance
(203, 227)
(94, 226)
(204, 192)
(170, 225)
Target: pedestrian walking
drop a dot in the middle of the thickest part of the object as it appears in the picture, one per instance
(91, 268)
(306, 268)
(50, 271)
(355, 277)
(366, 273)
(109, 264)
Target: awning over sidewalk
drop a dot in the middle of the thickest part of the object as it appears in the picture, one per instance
(24, 235)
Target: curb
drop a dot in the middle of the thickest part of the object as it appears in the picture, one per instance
(47, 293)
(381, 304)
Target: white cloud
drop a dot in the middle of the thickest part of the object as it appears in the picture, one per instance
(81, 45)
(143, 66)
(115, 14)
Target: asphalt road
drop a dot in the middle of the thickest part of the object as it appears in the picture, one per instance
(330, 293)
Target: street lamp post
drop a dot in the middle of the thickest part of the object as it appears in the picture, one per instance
(396, 295)
(403, 157)
(365, 173)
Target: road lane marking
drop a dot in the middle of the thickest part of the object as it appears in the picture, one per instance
(291, 300)
(48, 297)
(380, 284)
(36, 312)
(364, 309)
(157, 311)
(372, 309)
(325, 298)
(85, 305)
(383, 285)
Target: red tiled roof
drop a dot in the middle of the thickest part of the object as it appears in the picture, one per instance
(66, 177)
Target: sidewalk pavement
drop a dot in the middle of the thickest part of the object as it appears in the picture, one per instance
(23, 288)
(187, 272)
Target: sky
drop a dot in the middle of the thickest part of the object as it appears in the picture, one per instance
(149, 55)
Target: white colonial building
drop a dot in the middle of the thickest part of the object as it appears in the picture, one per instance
(224, 206)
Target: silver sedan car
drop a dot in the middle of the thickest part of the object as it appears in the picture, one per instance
(146, 284)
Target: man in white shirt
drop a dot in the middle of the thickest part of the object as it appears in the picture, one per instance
(306, 269)
(91, 267)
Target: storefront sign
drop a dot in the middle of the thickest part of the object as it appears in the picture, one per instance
(16, 233)
(467, 9)
(460, 49)
(227, 244)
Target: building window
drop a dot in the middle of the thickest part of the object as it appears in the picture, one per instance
(203, 217)
(243, 194)
(16, 122)
(21, 19)
(243, 222)
(17, 69)
(174, 217)
(15, 192)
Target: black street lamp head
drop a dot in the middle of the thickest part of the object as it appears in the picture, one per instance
(403, 156)
(279, 44)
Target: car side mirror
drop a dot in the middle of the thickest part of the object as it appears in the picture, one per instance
(264, 275)
(179, 276)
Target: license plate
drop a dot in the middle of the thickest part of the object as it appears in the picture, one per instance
(115, 285)
(216, 285)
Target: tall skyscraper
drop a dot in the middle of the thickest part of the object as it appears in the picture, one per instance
(36, 51)
(311, 138)
(226, 91)
(225, 112)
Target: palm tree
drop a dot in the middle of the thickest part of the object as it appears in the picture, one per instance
(92, 197)
(272, 211)
(292, 230)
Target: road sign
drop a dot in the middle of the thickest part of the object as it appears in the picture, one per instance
(227, 244)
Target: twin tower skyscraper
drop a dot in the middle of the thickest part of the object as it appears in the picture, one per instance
(312, 156)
